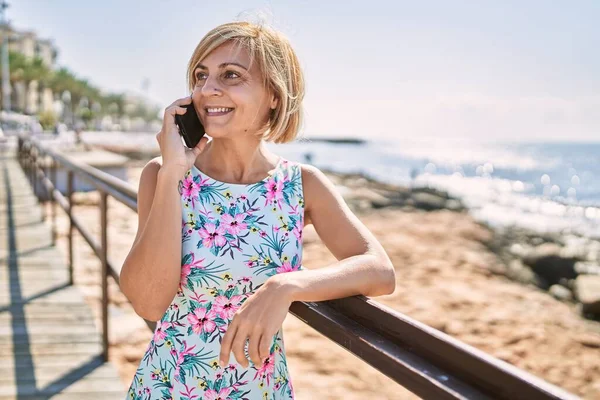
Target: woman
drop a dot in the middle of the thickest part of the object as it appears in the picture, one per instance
(217, 256)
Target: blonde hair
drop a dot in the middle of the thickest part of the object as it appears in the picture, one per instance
(279, 67)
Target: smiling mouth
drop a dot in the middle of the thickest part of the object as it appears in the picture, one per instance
(218, 112)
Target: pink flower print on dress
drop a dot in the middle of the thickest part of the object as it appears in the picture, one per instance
(267, 368)
(298, 233)
(160, 333)
(202, 320)
(286, 267)
(190, 189)
(274, 191)
(226, 307)
(213, 235)
(186, 269)
(234, 225)
(223, 394)
(186, 351)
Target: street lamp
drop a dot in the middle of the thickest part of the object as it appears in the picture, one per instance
(66, 99)
(5, 67)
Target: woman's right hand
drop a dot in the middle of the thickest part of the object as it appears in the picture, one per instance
(175, 154)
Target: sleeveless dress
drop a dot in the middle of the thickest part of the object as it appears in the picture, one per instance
(234, 237)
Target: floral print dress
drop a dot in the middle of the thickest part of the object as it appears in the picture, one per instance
(234, 237)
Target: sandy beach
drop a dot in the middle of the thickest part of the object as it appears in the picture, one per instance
(446, 277)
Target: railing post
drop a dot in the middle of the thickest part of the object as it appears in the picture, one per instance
(32, 172)
(24, 157)
(44, 193)
(20, 150)
(53, 200)
(71, 227)
(104, 282)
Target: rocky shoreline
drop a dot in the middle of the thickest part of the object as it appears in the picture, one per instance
(453, 273)
(565, 265)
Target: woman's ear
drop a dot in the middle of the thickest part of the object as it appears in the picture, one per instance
(274, 101)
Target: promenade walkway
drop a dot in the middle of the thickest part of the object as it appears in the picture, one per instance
(49, 344)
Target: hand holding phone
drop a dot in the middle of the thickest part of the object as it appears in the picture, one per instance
(177, 156)
(190, 127)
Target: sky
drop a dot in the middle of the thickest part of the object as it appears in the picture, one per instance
(476, 70)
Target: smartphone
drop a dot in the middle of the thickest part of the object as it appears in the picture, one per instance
(190, 126)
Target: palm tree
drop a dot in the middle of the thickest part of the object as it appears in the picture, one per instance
(24, 70)
(114, 103)
(17, 64)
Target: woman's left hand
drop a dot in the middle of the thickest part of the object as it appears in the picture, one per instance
(258, 318)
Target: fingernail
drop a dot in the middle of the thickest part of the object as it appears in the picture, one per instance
(221, 363)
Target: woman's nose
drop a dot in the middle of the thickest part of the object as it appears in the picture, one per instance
(210, 87)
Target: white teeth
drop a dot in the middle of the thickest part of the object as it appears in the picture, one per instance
(219, 109)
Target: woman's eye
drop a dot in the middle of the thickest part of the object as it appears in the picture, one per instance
(228, 74)
(232, 72)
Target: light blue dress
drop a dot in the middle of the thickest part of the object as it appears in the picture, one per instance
(234, 237)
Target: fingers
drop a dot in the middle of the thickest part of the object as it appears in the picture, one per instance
(253, 347)
(176, 108)
(264, 347)
(238, 348)
(183, 101)
(199, 148)
(226, 344)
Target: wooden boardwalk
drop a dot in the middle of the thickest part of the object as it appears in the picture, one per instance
(49, 344)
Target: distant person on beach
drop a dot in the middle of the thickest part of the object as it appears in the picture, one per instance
(79, 143)
(308, 157)
(78, 140)
(217, 258)
(414, 173)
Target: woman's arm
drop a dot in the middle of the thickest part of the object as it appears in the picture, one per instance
(363, 267)
(150, 274)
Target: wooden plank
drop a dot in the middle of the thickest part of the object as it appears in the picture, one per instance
(26, 202)
(40, 318)
(40, 375)
(30, 275)
(40, 308)
(40, 267)
(67, 295)
(103, 395)
(49, 339)
(80, 387)
(32, 261)
(20, 351)
(33, 330)
(46, 360)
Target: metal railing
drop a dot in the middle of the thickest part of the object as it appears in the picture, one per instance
(427, 362)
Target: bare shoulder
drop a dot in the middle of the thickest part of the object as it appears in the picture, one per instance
(318, 189)
(155, 162)
(150, 170)
(339, 228)
(146, 189)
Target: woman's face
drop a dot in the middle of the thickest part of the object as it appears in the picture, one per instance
(222, 79)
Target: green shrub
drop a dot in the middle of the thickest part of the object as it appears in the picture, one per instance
(47, 120)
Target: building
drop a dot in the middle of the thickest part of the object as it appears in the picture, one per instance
(31, 99)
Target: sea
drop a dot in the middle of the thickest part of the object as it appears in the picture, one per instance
(542, 186)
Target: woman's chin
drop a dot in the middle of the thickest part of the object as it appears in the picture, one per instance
(216, 133)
